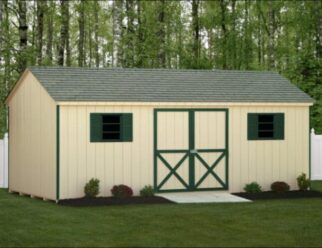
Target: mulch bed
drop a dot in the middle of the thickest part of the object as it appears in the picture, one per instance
(109, 201)
(268, 195)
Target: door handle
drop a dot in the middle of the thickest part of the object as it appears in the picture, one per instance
(193, 151)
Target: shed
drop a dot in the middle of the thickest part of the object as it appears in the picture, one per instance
(178, 130)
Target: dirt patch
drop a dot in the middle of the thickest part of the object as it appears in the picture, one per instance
(267, 195)
(110, 201)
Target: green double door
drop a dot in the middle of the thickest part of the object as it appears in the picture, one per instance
(190, 149)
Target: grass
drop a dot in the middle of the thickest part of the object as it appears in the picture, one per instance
(31, 222)
(316, 185)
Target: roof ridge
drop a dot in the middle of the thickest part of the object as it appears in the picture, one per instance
(149, 69)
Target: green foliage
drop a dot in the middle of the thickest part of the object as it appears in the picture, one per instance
(147, 191)
(280, 187)
(253, 187)
(303, 182)
(121, 191)
(91, 188)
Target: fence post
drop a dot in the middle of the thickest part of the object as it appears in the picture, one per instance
(5, 160)
(311, 152)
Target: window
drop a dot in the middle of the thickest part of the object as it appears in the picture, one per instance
(107, 127)
(265, 126)
(111, 127)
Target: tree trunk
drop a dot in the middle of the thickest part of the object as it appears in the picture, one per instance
(6, 46)
(140, 51)
(271, 38)
(129, 58)
(161, 34)
(40, 29)
(63, 31)
(96, 10)
(224, 34)
(1, 32)
(23, 38)
(318, 13)
(90, 43)
(118, 32)
(81, 26)
(67, 37)
(50, 31)
(196, 34)
(234, 63)
(259, 43)
(113, 32)
(247, 39)
(33, 33)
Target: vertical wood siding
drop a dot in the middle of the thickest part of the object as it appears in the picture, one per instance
(32, 140)
(131, 163)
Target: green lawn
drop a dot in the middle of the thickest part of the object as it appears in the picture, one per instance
(31, 222)
(316, 185)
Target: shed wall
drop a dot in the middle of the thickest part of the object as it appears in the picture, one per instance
(32, 140)
(131, 163)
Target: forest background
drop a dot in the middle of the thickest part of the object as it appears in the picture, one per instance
(282, 36)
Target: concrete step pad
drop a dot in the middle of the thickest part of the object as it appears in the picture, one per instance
(202, 197)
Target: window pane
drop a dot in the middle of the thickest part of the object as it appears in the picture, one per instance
(268, 126)
(268, 134)
(111, 136)
(111, 119)
(111, 127)
(265, 118)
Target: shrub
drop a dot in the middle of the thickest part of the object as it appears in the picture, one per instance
(280, 187)
(253, 187)
(147, 191)
(92, 188)
(121, 191)
(303, 182)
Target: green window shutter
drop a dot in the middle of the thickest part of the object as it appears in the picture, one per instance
(127, 127)
(252, 126)
(96, 127)
(279, 126)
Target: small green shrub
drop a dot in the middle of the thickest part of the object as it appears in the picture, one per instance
(147, 191)
(280, 187)
(121, 191)
(92, 188)
(253, 187)
(303, 182)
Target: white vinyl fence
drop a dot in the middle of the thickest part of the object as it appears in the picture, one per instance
(316, 156)
(4, 162)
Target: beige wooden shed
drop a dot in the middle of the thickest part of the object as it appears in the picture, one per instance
(178, 130)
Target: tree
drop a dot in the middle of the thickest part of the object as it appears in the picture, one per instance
(64, 33)
(40, 29)
(23, 38)
(96, 24)
(161, 33)
(196, 34)
(50, 10)
(224, 32)
(81, 28)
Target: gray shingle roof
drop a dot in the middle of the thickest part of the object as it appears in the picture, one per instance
(166, 85)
